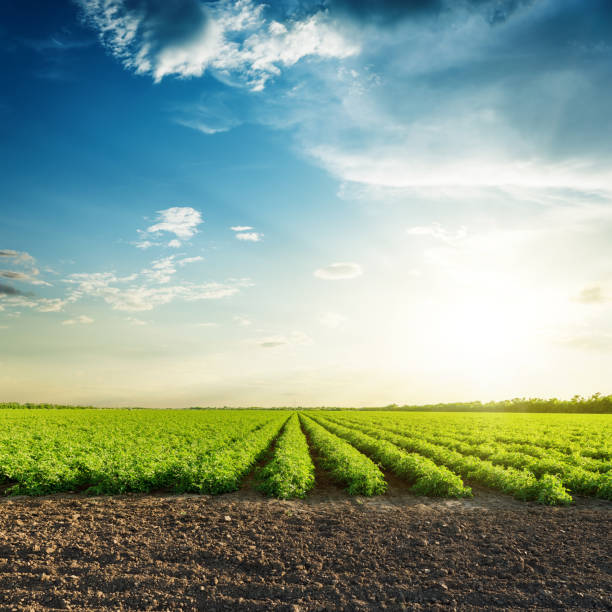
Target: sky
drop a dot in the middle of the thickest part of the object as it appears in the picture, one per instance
(304, 203)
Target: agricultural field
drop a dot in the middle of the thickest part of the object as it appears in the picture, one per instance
(545, 458)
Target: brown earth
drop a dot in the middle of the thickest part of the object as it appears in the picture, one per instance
(330, 552)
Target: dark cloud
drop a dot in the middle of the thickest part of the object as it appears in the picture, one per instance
(13, 275)
(165, 23)
(8, 290)
(495, 11)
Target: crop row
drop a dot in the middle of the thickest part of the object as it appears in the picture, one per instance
(116, 451)
(577, 479)
(290, 472)
(522, 484)
(426, 477)
(344, 462)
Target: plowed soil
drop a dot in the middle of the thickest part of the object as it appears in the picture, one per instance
(330, 552)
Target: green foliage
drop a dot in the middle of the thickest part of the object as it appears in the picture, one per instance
(427, 477)
(345, 463)
(290, 472)
(537, 457)
(596, 404)
(520, 483)
(118, 451)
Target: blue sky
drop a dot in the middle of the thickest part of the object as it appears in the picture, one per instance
(304, 203)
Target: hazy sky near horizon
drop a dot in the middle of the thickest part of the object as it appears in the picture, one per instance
(305, 202)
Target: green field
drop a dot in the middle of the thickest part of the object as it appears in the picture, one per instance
(547, 458)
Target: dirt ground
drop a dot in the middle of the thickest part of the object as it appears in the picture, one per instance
(331, 552)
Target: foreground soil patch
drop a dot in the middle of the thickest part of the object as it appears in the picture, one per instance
(239, 552)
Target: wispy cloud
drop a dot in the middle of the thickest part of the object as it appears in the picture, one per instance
(591, 295)
(295, 338)
(249, 236)
(339, 271)
(436, 231)
(182, 221)
(28, 273)
(80, 320)
(136, 321)
(143, 292)
(242, 321)
(332, 320)
(233, 40)
(242, 232)
(587, 341)
(17, 256)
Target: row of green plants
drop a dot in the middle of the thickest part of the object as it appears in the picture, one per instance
(119, 451)
(577, 479)
(589, 436)
(521, 484)
(290, 473)
(582, 475)
(345, 464)
(426, 477)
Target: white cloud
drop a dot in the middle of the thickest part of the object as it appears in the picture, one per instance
(232, 39)
(592, 295)
(135, 321)
(587, 341)
(249, 236)
(241, 228)
(242, 321)
(174, 244)
(435, 230)
(182, 221)
(17, 256)
(81, 319)
(333, 320)
(145, 244)
(161, 270)
(34, 303)
(338, 271)
(126, 295)
(398, 166)
(28, 274)
(295, 338)
(187, 260)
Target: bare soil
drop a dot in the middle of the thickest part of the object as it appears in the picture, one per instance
(330, 552)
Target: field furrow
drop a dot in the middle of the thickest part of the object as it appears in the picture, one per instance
(426, 477)
(522, 484)
(344, 463)
(290, 472)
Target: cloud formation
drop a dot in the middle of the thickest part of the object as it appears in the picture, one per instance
(249, 236)
(233, 40)
(145, 291)
(592, 295)
(9, 290)
(339, 271)
(242, 233)
(182, 221)
(295, 338)
(332, 320)
(80, 320)
(436, 231)
(17, 256)
(26, 262)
